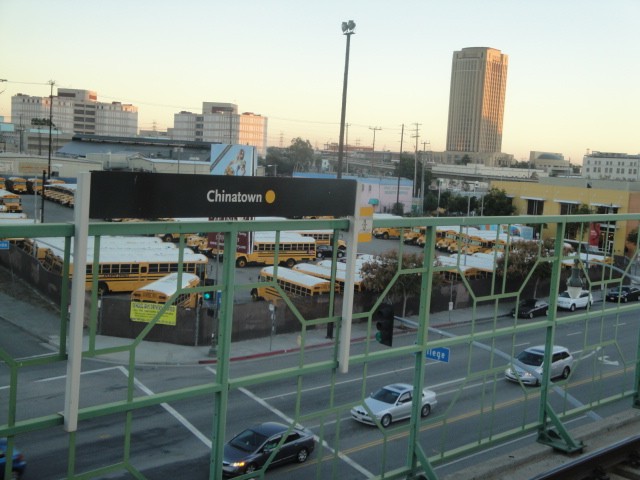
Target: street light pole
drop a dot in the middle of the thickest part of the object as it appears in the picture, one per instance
(348, 30)
(51, 83)
(397, 206)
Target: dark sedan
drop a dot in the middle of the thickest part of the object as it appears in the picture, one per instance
(531, 307)
(326, 251)
(250, 449)
(623, 294)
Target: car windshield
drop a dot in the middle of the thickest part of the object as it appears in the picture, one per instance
(564, 295)
(530, 358)
(531, 302)
(386, 396)
(248, 440)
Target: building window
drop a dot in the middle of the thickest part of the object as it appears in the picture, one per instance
(567, 208)
(535, 207)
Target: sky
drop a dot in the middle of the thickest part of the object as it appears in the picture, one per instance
(572, 83)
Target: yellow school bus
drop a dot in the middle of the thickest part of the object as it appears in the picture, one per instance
(125, 263)
(159, 291)
(16, 184)
(10, 201)
(291, 248)
(294, 284)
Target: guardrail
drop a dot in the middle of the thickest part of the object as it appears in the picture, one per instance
(554, 402)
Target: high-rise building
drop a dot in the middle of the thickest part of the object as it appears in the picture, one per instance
(476, 100)
(77, 111)
(221, 123)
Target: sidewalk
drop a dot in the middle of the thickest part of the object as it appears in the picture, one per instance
(43, 323)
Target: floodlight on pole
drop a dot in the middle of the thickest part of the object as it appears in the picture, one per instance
(574, 283)
(348, 30)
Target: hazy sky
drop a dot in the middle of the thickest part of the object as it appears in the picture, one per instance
(572, 84)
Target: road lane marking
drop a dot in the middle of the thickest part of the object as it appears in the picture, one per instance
(290, 421)
(172, 411)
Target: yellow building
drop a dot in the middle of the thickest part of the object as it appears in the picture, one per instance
(563, 196)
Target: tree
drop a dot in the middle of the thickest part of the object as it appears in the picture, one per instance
(522, 259)
(379, 273)
(298, 155)
(405, 166)
(301, 153)
(496, 203)
(573, 228)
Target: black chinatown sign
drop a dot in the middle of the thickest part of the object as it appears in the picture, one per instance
(158, 195)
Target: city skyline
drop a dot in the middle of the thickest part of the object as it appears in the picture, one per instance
(570, 86)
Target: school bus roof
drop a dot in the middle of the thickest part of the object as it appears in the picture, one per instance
(168, 285)
(324, 272)
(126, 249)
(294, 276)
(285, 237)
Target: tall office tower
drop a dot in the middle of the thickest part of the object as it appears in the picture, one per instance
(476, 100)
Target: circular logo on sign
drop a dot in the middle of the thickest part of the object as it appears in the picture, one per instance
(270, 196)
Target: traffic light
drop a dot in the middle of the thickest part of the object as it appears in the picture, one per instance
(208, 297)
(384, 324)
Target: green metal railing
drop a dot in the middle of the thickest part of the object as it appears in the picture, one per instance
(484, 366)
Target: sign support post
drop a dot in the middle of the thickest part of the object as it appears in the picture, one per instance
(360, 230)
(74, 352)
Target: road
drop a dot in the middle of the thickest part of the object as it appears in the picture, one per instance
(171, 439)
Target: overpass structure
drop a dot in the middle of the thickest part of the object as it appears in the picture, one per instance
(426, 442)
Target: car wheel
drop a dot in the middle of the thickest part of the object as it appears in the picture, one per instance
(426, 410)
(241, 262)
(624, 299)
(302, 456)
(385, 421)
(250, 468)
(319, 254)
(572, 307)
(530, 314)
(566, 372)
(385, 236)
(340, 254)
(546, 312)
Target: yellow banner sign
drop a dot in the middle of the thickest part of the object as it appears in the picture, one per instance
(145, 312)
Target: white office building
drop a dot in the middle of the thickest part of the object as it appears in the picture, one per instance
(611, 166)
(221, 123)
(76, 111)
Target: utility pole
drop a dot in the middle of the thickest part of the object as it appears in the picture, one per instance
(415, 161)
(424, 154)
(399, 162)
(373, 151)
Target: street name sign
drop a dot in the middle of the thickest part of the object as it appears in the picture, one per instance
(440, 354)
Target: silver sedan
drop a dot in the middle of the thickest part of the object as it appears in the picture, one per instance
(391, 403)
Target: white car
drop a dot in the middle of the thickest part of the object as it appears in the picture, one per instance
(528, 365)
(392, 403)
(584, 300)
